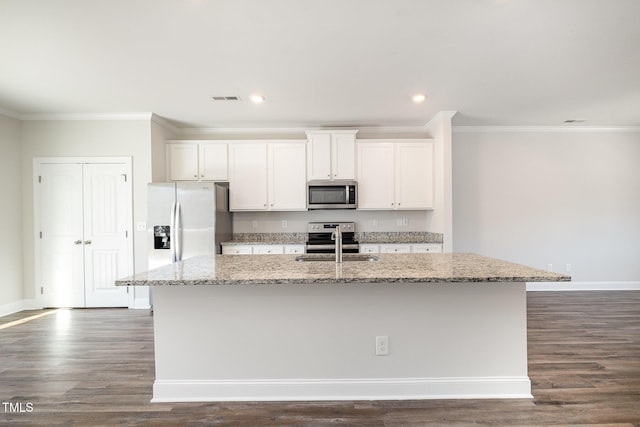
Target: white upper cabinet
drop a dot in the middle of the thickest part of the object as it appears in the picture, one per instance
(248, 177)
(197, 161)
(267, 176)
(213, 162)
(395, 175)
(331, 154)
(182, 162)
(376, 185)
(287, 177)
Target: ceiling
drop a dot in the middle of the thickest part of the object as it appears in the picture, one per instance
(323, 63)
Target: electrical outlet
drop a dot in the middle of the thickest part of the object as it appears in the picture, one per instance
(284, 223)
(549, 267)
(382, 346)
(141, 226)
(374, 223)
(254, 224)
(567, 268)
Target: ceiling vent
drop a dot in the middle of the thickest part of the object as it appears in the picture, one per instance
(225, 98)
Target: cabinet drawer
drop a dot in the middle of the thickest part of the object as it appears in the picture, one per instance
(268, 250)
(395, 249)
(294, 249)
(426, 248)
(367, 248)
(236, 250)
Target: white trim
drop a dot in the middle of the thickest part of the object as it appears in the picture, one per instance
(140, 303)
(544, 129)
(371, 130)
(11, 114)
(342, 389)
(88, 116)
(583, 286)
(12, 307)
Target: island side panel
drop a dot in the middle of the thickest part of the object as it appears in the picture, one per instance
(313, 342)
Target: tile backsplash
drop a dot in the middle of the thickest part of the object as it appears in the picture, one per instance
(296, 222)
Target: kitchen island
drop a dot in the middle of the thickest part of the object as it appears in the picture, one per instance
(272, 328)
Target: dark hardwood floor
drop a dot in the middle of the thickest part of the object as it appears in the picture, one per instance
(95, 368)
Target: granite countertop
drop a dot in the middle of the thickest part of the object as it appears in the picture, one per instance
(361, 237)
(390, 268)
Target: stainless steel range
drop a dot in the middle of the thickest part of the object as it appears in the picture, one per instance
(320, 241)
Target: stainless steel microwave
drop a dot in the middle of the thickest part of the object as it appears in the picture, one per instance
(338, 194)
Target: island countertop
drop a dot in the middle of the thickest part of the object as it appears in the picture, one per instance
(390, 268)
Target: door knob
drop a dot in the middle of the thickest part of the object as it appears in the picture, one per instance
(87, 242)
(77, 242)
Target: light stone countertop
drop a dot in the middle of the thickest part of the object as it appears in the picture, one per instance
(390, 268)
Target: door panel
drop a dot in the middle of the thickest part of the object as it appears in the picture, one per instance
(105, 234)
(197, 214)
(61, 226)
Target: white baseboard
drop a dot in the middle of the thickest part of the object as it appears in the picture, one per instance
(341, 389)
(141, 304)
(583, 286)
(12, 307)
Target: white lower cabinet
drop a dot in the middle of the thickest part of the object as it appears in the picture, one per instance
(262, 249)
(423, 248)
(237, 250)
(400, 248)
(293, 249)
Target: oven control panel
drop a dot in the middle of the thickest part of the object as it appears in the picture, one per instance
(323, 227)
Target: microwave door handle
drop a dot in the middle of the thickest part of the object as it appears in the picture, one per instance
(346, 193)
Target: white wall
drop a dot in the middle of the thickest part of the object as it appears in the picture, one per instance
(550, 197)
(85, 138)
(11, 196)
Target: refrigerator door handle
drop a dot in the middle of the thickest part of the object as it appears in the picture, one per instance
(172, 232)
(178, 232)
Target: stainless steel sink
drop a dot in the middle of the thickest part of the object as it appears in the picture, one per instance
(332, 257)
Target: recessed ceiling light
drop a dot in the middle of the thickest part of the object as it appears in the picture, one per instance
(257, 99)
(418, 98)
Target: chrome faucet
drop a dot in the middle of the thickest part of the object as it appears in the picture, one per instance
(337, 236)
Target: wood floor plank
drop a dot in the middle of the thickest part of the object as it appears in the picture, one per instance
(96, 368)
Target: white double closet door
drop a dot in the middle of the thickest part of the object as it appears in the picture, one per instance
(85, 242)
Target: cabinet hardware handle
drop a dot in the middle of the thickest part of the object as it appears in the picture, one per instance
(77, 242)
(87, 242)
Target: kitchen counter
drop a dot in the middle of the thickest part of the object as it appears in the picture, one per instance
(361, 237)
(263, 328)
(390, 268)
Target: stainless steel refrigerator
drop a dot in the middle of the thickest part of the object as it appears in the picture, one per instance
(186, 219)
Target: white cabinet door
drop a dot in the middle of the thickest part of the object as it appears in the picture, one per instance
(287, 172)
(248, 187)
(414, 175)
(213, 164)
(182, 162)
(343, 156)
(375, 176)
(319, 156)
(331, 155)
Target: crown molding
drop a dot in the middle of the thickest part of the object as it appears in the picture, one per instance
(10, 114)
(87, 116)
(372, 130)
(545, 129)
